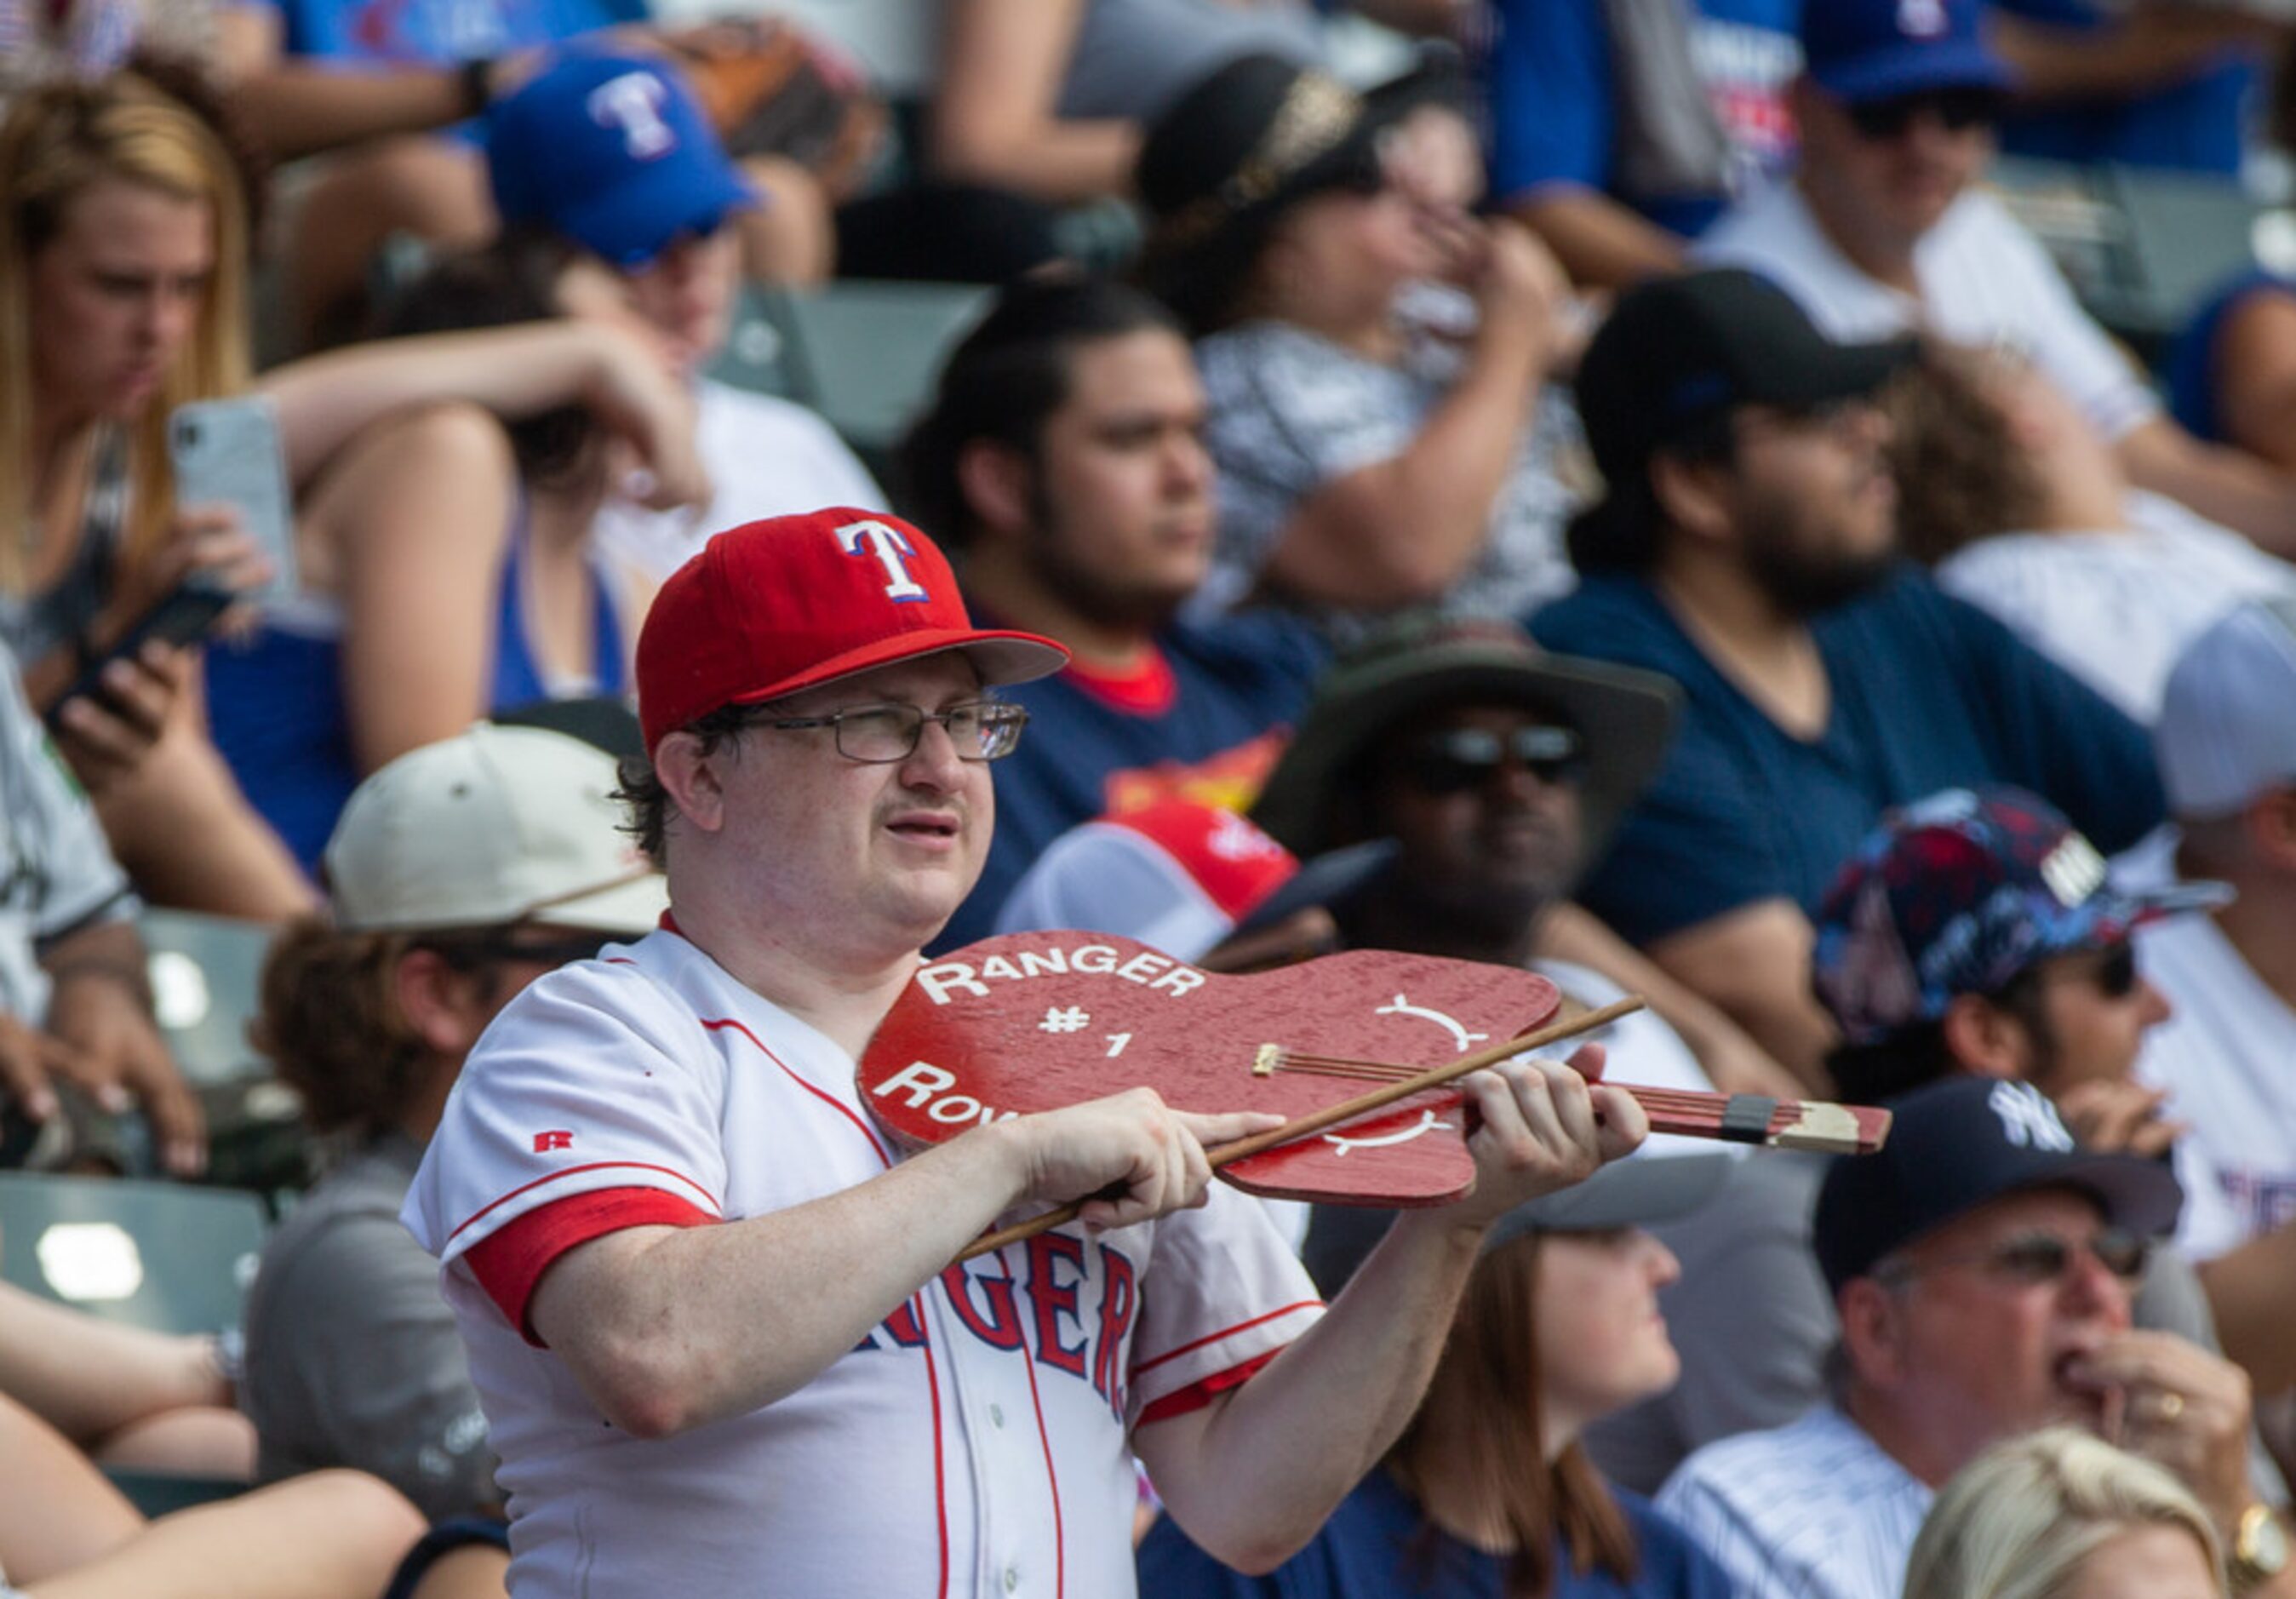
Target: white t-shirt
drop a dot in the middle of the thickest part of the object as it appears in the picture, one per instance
(1984, 279)
(766, 457)
(2117, 608)
(1811, 1510)
(2224, 1057)
(976, 1442)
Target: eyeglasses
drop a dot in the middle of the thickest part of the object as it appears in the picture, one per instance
(1957, 110)
(2035, 1259)
(881, 735)
(1450, 763)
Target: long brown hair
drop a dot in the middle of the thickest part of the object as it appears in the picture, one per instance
(331, 1023)
(58, 141)
(1489, 1368)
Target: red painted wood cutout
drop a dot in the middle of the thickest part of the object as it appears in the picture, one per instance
(1033, 1021)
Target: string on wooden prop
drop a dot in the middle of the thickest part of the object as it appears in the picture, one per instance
(1733, 1118)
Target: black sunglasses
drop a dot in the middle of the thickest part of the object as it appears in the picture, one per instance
(2115, 976)
(1449, 763)
(1958, 109)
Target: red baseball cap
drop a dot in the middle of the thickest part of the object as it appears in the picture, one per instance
(791, 602)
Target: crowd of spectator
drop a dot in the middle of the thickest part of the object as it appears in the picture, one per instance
(1617, 495)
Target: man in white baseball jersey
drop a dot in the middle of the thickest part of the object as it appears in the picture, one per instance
(708, 1304)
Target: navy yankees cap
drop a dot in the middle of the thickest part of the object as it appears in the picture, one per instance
(1959, 1144)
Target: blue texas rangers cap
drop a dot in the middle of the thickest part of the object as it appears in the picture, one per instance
(1957, 894)
(1963, 1143)
(615, 152)
(1867, 50)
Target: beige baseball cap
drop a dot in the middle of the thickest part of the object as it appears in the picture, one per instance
(498, 825)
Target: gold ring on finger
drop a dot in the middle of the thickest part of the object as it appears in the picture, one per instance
(2172, 1406)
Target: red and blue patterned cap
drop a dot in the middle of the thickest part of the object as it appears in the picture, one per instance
(1957, 894)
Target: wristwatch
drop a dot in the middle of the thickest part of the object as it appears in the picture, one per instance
(2259, 1549)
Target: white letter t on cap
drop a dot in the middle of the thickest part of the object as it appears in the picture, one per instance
(633, 103)
(893, 552)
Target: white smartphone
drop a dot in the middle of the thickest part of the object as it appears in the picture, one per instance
(226, 452)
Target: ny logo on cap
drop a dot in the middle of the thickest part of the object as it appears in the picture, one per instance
(1922, 19)
(892, 551)
(2028, 1120)
(633, 103)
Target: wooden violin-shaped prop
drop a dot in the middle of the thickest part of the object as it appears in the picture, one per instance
(1035, 1021)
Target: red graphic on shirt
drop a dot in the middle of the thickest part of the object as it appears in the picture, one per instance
(1232, 778)
(544, 1143)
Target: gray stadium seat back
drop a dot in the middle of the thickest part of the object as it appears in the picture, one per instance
(206, 978)
(866, 354)
(158, 1255)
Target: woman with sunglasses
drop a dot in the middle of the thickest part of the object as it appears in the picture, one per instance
(1489, 1493)
(458, 875)
(1373, 356)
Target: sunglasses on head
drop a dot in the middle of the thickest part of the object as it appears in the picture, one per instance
(1465, 758)
(1956, 110)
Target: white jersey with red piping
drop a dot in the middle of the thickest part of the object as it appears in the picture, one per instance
(975, 1443)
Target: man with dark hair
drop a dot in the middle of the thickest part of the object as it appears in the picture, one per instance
(1748, 549)
(1498, 771)
(1063, 455)
(718, 1317)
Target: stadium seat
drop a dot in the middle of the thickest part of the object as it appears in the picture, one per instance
(206, 973)
(156, 1255)
(2140, 248)
(865, 354)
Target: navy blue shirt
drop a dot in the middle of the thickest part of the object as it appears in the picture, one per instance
(2197, 125)
(1928, 694)
(1207, 724)
(1555, 119)
(1368, 1550)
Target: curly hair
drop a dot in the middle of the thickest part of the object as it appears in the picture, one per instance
(1961, 477)
(330, 1024)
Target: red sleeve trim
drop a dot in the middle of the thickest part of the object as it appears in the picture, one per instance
(1197, 1395)
(511, 1260)
(1149, 1365)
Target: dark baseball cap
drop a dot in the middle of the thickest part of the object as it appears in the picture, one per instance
(1960, 893)
(1862, 51)
(1962, 1143)
(615, 152)
(1678, 351)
